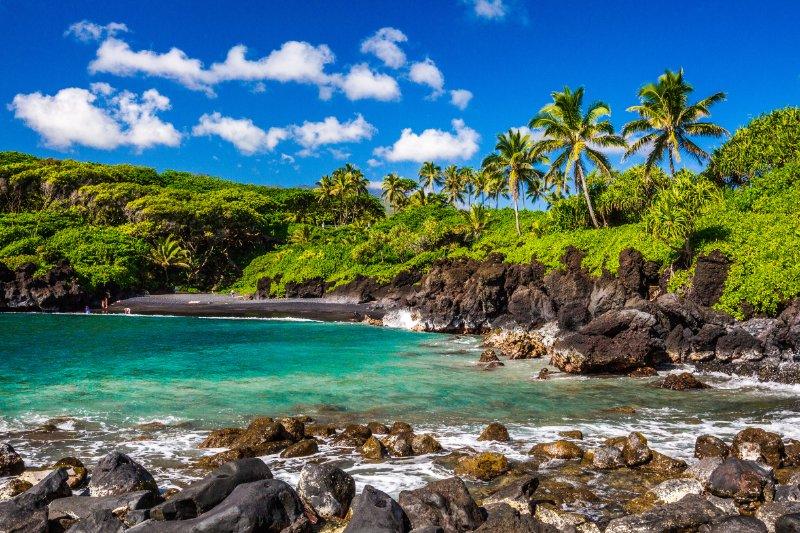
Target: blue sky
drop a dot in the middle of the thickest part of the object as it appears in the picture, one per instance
(169, 84)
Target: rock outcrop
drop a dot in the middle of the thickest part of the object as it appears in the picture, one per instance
(58, 289)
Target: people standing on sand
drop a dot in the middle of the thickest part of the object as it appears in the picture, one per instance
(104, 301)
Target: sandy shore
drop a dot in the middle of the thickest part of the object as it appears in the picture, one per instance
(237, 306)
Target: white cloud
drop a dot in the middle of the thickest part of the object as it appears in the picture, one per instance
(242, 133)
(312, 135)
(490, 9)
(286, 158)
(375, 185)
(460, 98)
(427, 73)
(361, 83)
(89, 31)
(374, 162)
(383, 45)
(73, 116)
(339, 154)
(433, 144)
(537, 134)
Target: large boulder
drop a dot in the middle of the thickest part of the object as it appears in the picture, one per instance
(116, 473)
(484, 466)
(445, 503)
(687, 514)
(327, 489)
(11, 464)
(263, 436)
(635, 451)
(681, 382)
(560, 449)
(203, 495)
(503, 517)
(266, 505)
(744, 481)
(27, 512)
(221, 438)
(710, 446)
(81, 507)
(354, 435)
(375, 512)
(738, 344)
(102, 521)
(617, 341)
(708, 282)
(770, 446)
(494, 432)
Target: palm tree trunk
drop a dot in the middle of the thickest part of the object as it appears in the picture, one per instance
(671, 164)
(582, 181)
(516, 213)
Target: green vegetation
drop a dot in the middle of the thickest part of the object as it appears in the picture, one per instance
(131, 228)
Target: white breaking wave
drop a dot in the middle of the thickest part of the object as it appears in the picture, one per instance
(402, 319)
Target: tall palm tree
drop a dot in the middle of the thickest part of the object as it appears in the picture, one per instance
(418, 199)
(168, 254)
(430, 175)
(468, 183)
(576, 135)
(394, 190)
(667, 121)
(476, 220)
(515, 159)
(480, 181)
(453, 184)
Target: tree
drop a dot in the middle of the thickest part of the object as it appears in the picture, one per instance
(468, 175)
(396, 189)
(515, 160)
(418, 199)
(673, 215)
(453, 185)
(430, 175)
(476, 220)
(575, 135)
(667, 121)
(168, 253)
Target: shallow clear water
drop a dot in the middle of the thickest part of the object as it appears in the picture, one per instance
(109, 374)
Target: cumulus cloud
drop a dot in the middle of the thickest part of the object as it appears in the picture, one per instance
(383, 45)
(427, 73)
(312, 135)
(89, 31)
(100, 118)
(361, 83)
(489, 9)
(250, 139)
(372, 162)
(460, 98)
(433, 145)
(242, 133)
(294, 61)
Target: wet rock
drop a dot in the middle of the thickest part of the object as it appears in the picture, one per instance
(373, 449)
(12, 486)
(400, 427)
(321, 430)
(788, 523)
(376, 428)
(517, 493)
(102, 521)
(494, 432)
(27, 512)
(261, 434)
(327, 489)
(75, 470)
(489, 357)
(485, 466)
(554, 519)
(702, 470)
(503, 517)
(644, 372)
(116, 473)
(792, 451)
(770, 512)
(375, 512)
(635, 451)
(11, 464)
(688, 514)
(203, 495)
(704, 342)
(266, 505)
(571, 434)
(219, 459)
(425, 444)
(674, 490)
(81, 507)
(738, 344)
(543, 374)
(770, 446)
(787, 493)
(221, 438)
(445, 503)
(354, 436)
(399, 444)
(294, 427)
(744, 481)
(681, 382)
(607, 458)
(664, 465)
(302, 448)
(560, 449)
(516, 344)
(710, 446)
(491, 366)
(734, 524)
(617, 341)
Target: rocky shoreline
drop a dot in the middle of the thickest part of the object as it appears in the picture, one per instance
(751, 483)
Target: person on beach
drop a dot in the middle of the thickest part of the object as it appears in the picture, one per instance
(104, 301)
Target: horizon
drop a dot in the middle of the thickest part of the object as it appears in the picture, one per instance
(383, 88)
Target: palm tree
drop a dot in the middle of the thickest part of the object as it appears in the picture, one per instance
(468, 183)
(393, 191)
(480, 181)
(477, 218)
(576, 135)
(418, 199)
(453, 185)
(667, 121)
(168, 253)
(430, 175)
(537, 188)
(515, 160)
(496, 186)
(348, 183)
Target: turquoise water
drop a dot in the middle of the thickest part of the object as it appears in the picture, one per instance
(110, 373)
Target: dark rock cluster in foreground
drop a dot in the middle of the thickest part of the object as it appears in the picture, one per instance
(57, 289)
(620, 485)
